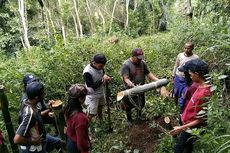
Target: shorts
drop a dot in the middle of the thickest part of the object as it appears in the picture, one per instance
(92, 102)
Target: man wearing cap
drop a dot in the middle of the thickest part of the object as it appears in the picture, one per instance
(195, 112)
(27, 79)
(95, 79)
(133, 72)
(52, 142)
(45, 111)
(31, 134)
(178, 77)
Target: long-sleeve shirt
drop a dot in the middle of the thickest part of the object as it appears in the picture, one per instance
(77, 131)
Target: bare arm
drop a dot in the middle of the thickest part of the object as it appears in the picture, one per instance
(18, 139)
(45, 112)
(152, 77)
(127, 81)
(175, 66)
(179, 129)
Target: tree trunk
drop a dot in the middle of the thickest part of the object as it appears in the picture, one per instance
(141, 88)
(103, 20)
(61, 21)
(162, 26)
(88, 10)
(111, 20)
(188, 8)
(75, 25)
(49, 18)
(135, 5)
(6, 116)
(23, 23)
(127, 15)
(78, 18)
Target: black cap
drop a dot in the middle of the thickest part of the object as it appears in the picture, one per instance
(34, 89)
(28, 78)
(99, 58)
(197, 65)
(138, 53)
(185, 67)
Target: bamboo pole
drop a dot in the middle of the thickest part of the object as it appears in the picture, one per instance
(141, 88)
(6, 117)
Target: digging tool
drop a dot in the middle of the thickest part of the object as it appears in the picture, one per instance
(107, 94)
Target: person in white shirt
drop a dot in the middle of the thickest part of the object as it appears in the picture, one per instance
(179, 83)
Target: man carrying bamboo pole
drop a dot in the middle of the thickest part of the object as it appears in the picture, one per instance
(133, 72)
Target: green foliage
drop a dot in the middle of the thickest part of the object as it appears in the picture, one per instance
(58, 65)
(9, 31)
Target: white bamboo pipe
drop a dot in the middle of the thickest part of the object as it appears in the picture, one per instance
(141, 88)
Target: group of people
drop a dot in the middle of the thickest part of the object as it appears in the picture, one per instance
(190, 88)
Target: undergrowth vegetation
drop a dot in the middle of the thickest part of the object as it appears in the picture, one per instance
(62, 65)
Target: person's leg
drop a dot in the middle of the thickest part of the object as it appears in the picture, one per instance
(127, 107)
(71, 146)
(190, 143)
(181, 142)
(176, 89)
(140, 103)
(99, 113)
(92, 106)
(53, 143)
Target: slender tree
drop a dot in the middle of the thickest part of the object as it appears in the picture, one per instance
(75, 26)
(78, 18)
(21, 9)
(127, 14)
(89, 14)
(188, 8)
(61, 22)
(111, 20)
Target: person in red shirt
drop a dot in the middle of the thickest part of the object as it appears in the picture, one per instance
(194, 114)
(77, 122)
(189, 89)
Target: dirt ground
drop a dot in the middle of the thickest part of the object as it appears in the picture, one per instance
(144, 137)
